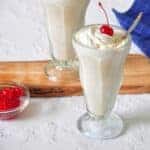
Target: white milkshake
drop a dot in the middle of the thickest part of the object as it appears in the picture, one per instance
(102, 60)
(63, 18)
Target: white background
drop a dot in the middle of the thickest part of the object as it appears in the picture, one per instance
(22, 32)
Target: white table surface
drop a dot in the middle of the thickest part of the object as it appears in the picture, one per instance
(51, 123)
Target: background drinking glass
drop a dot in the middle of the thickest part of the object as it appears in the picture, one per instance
(63, 17)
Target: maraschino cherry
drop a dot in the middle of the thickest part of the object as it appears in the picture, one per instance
(106, 28)
(10, 97)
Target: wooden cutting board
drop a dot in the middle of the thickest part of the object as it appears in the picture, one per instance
(136, 78)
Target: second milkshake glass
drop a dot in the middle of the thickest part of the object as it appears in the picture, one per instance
(101, 71)
(63, 17)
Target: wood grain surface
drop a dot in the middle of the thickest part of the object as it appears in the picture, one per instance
(136, 78)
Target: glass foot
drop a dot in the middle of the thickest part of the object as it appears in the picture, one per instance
(62, 71)
(100, 128)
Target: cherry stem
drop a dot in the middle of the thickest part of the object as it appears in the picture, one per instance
(106, 16)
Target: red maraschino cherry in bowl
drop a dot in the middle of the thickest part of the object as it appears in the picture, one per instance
(14, 98)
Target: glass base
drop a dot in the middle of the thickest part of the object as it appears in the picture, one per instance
(62, 71)
(100, 128)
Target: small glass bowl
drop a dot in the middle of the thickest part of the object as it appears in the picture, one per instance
(24, 101)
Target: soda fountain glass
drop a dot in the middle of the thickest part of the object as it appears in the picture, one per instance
(101, 72)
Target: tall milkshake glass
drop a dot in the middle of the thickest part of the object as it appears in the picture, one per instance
(63, 17)
(102, 61)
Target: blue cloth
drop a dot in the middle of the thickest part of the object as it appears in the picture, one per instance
(141, 34)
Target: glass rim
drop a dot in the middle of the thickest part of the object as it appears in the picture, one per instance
(74, 39)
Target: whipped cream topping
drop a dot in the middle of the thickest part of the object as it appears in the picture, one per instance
(92, 38)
